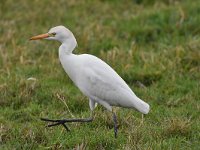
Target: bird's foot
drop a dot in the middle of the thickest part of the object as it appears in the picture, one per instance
(63, 121)
(56, 123)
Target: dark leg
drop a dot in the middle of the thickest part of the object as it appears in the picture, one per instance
(115, 124)
(63, 121)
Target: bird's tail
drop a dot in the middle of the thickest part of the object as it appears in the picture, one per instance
(141, 106)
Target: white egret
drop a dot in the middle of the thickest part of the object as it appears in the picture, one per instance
(95, 79)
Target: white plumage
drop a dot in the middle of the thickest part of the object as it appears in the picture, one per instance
(100, 83)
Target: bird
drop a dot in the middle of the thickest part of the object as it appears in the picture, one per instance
(94, 78)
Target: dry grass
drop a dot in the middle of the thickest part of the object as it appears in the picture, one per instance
(153, 45)
(177, 126)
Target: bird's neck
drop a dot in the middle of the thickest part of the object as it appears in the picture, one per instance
(67, 46)
(68, 60)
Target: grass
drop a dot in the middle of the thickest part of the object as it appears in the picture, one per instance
(153, 45)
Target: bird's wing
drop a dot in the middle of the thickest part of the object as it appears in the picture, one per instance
(98, 80)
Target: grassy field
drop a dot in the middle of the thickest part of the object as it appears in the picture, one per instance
(155, 47)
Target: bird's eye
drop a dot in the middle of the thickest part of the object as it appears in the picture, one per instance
(54, 33)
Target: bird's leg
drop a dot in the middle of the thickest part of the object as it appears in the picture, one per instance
(63, 121)
(115, 124)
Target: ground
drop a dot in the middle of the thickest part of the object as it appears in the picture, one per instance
(153, 45)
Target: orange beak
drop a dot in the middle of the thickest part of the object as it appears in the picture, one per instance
(41, 36)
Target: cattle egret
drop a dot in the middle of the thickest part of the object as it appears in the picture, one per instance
(95, 79)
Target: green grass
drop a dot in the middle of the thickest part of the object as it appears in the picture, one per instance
(155, 47)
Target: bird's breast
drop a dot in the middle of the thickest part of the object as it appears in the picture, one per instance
(70, 66)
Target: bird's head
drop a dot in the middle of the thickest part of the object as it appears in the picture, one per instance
(58, 33)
